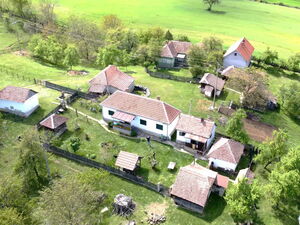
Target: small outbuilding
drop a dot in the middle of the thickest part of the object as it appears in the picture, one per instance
(210, 83)
(55, 123)
(110, 80)
(195, 133)
(225, 154)
(19, 101)
(128, 161)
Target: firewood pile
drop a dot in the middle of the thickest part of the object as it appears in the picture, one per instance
(123, 205)
(155, 219)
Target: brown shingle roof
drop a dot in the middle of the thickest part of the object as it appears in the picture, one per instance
(193, 183)
(112, 76)
(97, 88)
(195, 126)
(127, 160)
(172, 48)
(142, 106)
(243, 47)
(16, 94)
(213, 80)
(227, 150)
(53, 121)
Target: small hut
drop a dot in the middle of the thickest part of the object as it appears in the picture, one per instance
(123, 205)
(55, 123)
(128, 162)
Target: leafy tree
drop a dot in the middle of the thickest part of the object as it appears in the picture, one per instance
(235, 127)
(75, 143)
(20, 6)
(210, 3)
(168, 36)
(183, 38)
(289, 99)
(69, 201)
(147, 54)
(197, 60)
(294, 62)
(111, 55)
(71, 56)
(111, 22)
(32, 162)
(274, 149)
(269, 56)
(211, 44)
(154, 34)
(10, 216)
(283, 189)
(129, 41)
(241, 199)
(46, 12)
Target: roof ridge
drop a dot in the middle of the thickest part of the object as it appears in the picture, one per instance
(52, 120)
(231, 153)
(165, 111)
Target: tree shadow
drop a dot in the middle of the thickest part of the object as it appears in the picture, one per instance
(220, 12)
(287, 215)
(130, 72)
(143, 172)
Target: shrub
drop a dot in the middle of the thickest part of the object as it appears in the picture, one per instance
(93, 156)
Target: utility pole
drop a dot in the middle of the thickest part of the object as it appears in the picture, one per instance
(216, 84)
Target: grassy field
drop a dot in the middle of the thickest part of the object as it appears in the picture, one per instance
(263, 24)
(286, 2)
(6, 39)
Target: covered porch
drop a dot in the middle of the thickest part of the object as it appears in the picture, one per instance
(195, 142)
(122, 122)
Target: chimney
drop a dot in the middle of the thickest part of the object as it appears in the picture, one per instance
(158, 98)
(202, 120)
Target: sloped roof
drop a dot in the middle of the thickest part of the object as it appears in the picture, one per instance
(195, 126)
(53, 121)
(173, 48)
(127, 160)
(243, 46)
(112, 76)
(193, 183)
(227, 150)
(97, 88)
(142, 106)
(16, 94)
(213, 80)
(222, 181)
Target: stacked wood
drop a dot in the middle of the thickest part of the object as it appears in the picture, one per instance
(123, 205)
(155, 219)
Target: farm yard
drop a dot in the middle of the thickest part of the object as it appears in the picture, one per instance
(101, 143)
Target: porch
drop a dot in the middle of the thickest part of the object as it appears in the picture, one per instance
(122, 122)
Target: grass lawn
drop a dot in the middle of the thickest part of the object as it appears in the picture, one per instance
(286, 2)
(263, 24)
(6, 39)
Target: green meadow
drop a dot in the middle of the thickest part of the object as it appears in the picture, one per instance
(286, 2)
(264, 25)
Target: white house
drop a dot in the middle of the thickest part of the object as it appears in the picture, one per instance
(239, 54)
(19, 101)
(195, 132)
(130, 112)
(225, 154)
(110, 80)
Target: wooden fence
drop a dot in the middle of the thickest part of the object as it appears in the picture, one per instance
(161, 189)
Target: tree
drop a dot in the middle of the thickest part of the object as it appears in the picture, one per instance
(210, 3)
(75, 143)
(273, 149)
(197, 60)
(147, 54)
(10, 216)
(211, 44)
(69, 201)
(32, 162)
(168, 36)
(241, 199)
(111, 22)
(71, 56)
(235, 127)
(294, 62)
(153, 34)
(289, 96)
(111, 55)
(183, 38)
(20, 6)
(269, 56)
(46, 12)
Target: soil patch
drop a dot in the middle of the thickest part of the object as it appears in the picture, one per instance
(157, 208)
(258, 131)
(77, 72)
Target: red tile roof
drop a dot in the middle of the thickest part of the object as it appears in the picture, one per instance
(243, 47)
(226, 150)
(127, 160)
(16, 94)
(173, 48)
(193, 183)
(53, 121)
(213, 80)
(222, 181)
(195, 126)
(142, 106)
(123, 116)
(97, 88)
(112, 76)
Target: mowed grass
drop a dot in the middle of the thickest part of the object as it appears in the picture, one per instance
(6, 39)
(264, 25)
(286, 2)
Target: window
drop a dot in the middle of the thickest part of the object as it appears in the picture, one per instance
(159, 127)
(235, 54)
(143, 122)
(111, 112)
(181, 133)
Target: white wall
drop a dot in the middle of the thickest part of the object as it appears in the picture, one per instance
(22, 109)
(235, 60)
(209, 141)
(223, 164)
(149, 128)
(182, 138)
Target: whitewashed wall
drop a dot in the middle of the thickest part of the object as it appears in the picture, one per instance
(149, 128)
(223, 164)
(22, 109)
(235, 60)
